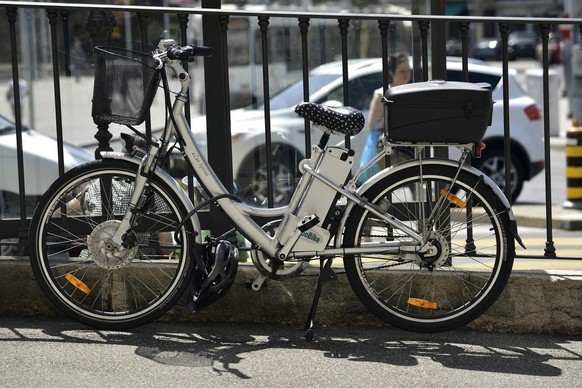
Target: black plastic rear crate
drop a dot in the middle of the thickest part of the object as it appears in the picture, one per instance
(438, 112)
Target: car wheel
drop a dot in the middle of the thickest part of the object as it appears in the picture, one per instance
(492, 163)
(252, 176)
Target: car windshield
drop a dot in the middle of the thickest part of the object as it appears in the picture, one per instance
(293, 95)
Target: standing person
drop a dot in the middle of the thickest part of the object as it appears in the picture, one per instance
(400, 75)
(23, 89)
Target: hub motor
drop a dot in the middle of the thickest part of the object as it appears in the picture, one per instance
(104, 251)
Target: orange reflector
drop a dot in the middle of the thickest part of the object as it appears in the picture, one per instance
(423, 303)
(78, 283)
(452, 198)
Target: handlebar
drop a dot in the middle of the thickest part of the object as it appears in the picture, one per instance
(188, 53)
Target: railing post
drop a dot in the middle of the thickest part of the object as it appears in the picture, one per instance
(183, 24)
(216, 83)
(423, 27)
(264, 28)
(11, 14)
(99, 26)
(438, 41)
(383, 26)
(344, 25)
(464, 31)
(66, 38)
(550, 249)
(303, 29)
(142, 20)
(504, 33)
(52, 16)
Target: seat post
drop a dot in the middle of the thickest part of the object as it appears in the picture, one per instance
(323, 140)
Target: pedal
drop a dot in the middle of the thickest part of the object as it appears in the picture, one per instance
(258, 283)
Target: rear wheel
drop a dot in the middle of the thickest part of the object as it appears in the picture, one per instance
(459, 277)
(79, 267)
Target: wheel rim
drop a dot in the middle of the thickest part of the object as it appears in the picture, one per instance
(78, 272)
(405, 285)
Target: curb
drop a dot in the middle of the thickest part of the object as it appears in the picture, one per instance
(534, 302)
(535, 216)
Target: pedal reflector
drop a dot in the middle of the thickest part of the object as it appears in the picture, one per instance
(452, 198)
(422, 303)
(78, 283)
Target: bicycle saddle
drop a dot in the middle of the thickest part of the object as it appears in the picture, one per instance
(341, 119)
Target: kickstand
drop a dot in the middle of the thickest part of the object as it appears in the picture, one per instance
(326, 274)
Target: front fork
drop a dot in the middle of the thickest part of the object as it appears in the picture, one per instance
(122, 238)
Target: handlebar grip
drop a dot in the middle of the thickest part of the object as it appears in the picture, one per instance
(187, 53)
(203, 51)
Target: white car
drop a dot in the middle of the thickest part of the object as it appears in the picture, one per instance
(365, 75)
(40, 165)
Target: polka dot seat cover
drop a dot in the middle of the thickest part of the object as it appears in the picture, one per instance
(343, 119)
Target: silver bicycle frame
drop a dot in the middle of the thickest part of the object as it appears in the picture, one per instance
(241, 214)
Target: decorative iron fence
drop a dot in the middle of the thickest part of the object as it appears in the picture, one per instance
(257, 54)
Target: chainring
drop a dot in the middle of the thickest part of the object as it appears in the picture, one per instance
(265, 264)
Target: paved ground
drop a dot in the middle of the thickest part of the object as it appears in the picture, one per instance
(54, 353)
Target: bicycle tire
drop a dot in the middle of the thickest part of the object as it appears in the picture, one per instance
(446, 290)
(99, 288)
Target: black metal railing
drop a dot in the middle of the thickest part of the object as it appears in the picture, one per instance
(321, 36)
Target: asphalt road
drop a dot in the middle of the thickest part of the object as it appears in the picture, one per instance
(54, 353)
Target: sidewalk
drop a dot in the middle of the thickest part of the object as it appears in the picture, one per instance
(535, 216)
(533, 301)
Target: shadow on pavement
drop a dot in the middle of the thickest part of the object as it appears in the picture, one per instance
(222, 347)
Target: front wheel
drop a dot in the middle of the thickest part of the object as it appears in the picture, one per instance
(78, 266)
(463, 272)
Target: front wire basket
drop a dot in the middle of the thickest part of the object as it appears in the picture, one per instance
(126, 82)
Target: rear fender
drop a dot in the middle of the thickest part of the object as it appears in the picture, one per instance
(434, 161)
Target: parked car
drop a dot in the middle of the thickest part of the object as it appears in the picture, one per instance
(40, 165)
(490, 49)
(523, 44)
(365, 75)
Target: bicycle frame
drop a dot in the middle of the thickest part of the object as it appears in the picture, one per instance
(281, 244)
(414, 252)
